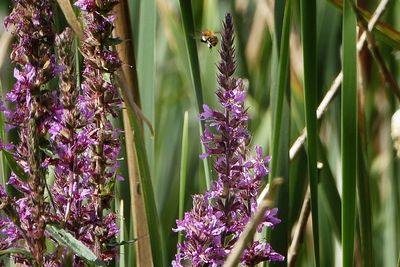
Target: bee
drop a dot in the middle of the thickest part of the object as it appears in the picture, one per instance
(210, 38)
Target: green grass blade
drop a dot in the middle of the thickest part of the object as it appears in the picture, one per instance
(134, 17)
(398, 261)
(146, 187)
(66, 239)
(14, 166)
(349, 133)
(330, 194)
(184, 159)
(283, 69)
(3, 159)
(205, 164)
(281, 132)
(26, 253)
(189, 31)
(365, 213)
(146, 67)
(309, 37)
(123, 209)
(122, 232)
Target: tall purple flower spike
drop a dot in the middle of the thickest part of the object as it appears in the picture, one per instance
(219, 216)
(69, 129)
(100, 101)
(35, 65)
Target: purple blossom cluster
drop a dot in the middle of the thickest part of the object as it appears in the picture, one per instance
(99, 101)
(67, 128)
(219, 216)
(35, 65)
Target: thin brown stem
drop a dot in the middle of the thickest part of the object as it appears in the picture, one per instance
(69, 14)
(387, 76)
(126, 52)
(300, 230)
(299, 233)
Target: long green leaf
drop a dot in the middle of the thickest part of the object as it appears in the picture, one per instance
(14, 166)
(398, 261)
(26, 253)
(146, 68)
(309, 37)
(280, 98)
(349, 132)
(365, 213)
(183, 175)
(3, 137)
(189, 31)
(205, 163)
(330, 194)
(66, 239)
(188, 25)
(283, 68)
(146, 187)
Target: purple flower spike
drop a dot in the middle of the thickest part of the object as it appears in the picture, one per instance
(98, 141)
(31, 23)
(66, 128)
(219, 216)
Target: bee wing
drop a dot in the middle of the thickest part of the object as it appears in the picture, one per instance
(195, 36)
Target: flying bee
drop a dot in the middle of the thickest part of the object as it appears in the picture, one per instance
(210, 38)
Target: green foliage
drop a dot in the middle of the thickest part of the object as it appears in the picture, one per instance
(309, 37)
(69, 241)
(349, 132)
(21, 174)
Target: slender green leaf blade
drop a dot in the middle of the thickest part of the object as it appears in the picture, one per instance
(14, 166)
(280, 96)
(182, 180)
(189, 30)
(3, 158)
(365, 213)
(66, 239)
(26, 253)
(283, 69)
(309, 37)
(205, 164)
(330, 194)
(349, 132)
(188, 25)
(146, 187)
(146, 67)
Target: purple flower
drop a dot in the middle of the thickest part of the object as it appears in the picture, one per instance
(208, 113)
(259, 252)
(93, 5)
(98, 142)
(9, 234)
(33, 102)
(86, 5)
(68, 129)
(18, 184)
(219, 216)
